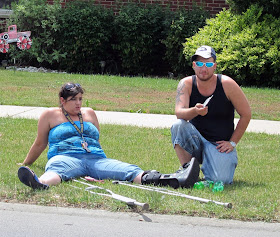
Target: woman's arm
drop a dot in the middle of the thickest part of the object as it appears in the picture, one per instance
(41, 140)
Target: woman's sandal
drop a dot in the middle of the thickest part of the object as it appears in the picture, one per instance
(29, 178)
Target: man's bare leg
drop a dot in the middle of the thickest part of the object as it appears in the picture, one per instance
(183, 155)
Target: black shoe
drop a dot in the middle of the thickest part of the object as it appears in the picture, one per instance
(29, 178)
(151, 177)
(188, 175)
(185, 177)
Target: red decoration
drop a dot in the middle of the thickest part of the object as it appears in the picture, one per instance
(12, 36)
(4, 46)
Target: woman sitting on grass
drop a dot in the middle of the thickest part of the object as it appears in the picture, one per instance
(72, 133)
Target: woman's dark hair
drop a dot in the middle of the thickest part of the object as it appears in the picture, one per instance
(70, 90)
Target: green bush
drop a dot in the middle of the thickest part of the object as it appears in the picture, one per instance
(138, 40)
(85, 36)
(42, 20)
(247, 46)
(185, 23)
(139, 32)
(269, 6)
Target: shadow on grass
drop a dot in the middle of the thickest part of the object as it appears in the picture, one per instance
(246, 184)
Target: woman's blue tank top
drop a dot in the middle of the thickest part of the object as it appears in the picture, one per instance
(65, 139)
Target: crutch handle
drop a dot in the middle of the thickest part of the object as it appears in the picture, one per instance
(130, 201)
(145, 206)
(127, 200)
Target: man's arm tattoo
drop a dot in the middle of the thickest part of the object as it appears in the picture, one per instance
(180, 91)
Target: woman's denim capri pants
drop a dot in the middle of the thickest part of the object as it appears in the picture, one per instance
(77, 165)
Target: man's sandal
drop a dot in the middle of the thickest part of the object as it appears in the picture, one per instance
(29, 178)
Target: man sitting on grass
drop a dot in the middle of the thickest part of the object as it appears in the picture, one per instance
(205, 106)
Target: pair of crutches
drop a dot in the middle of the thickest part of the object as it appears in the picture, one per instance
(93, 189)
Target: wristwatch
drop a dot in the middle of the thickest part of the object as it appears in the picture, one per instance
(233, 144)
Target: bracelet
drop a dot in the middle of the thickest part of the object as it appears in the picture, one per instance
(232, 143)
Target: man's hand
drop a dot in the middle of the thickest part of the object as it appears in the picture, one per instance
(200, 109)
(224, 146)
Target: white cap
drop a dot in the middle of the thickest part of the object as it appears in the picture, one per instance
(205, 52)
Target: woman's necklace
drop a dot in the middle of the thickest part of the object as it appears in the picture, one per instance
(80, 131)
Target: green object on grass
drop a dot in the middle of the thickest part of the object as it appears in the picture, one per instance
(218, 187)
(202, 184)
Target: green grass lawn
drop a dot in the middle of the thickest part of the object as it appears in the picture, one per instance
(254, 194)
(114, 93)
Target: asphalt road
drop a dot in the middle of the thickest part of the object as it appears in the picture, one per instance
(19, 220)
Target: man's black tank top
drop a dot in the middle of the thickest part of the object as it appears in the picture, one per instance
(218, 123)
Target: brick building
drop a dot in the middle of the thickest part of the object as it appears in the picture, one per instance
(213, 6)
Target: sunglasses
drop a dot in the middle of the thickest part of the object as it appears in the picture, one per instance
(200, 64)
(71, 86)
